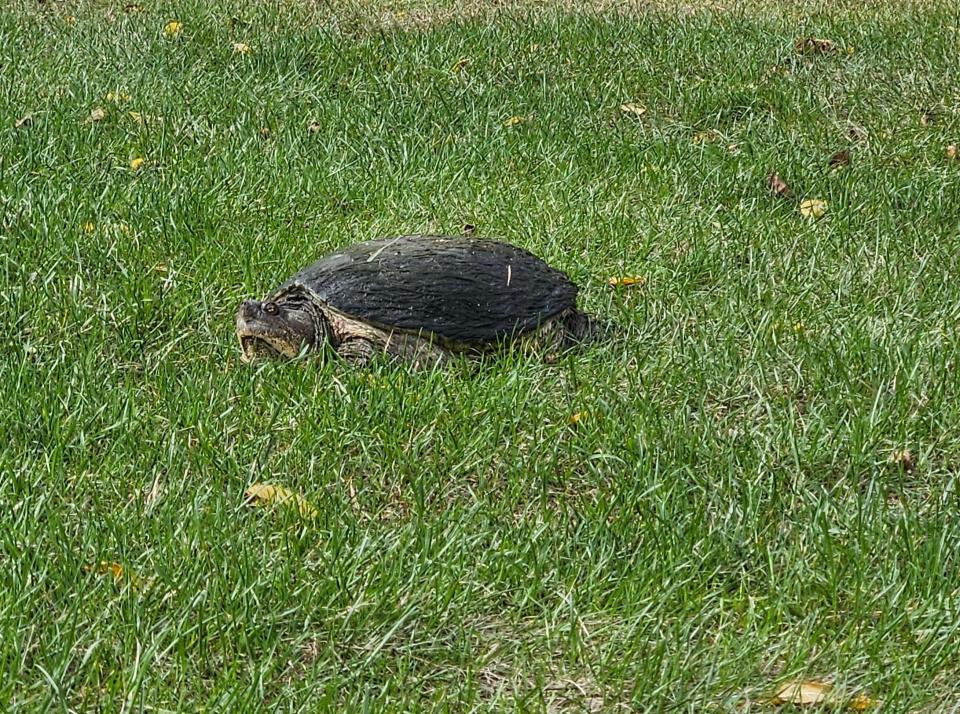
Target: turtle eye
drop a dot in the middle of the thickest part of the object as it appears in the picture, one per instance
(270, 308)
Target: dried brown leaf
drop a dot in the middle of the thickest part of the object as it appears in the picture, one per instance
(23, 122)
(840, 159)
(953, 152)
(861, 703)
(814, 46)
(313, 127)
(856, 134)
(803, 693)
(633, 109)
(778, 186)
(97, 114)
(903, 458)
(468, 229)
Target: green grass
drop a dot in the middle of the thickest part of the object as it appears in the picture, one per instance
(725, 519)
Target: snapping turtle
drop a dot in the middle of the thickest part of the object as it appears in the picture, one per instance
(420, 298)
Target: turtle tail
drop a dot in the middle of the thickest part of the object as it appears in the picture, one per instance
(580, 328)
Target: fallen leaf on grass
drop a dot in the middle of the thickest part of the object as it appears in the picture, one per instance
(803, 693)
(141, 118)
(117, 97)
(705, 137)
(813, 208)
(313, 127)
(928, 117)
(902, 458)
(856, 134)
(840, 159)
(637, 110)
(136, 163)
(265, 494)
(814, 46)
(173, 28)
(459, 65)
(861, 703)
(778, 186)
(116, 570)
(468, 229)
(514, 120)
(953, 152)
(578, 418)
(89, 227)
(132, 7)
(97, 114)
(265, 132)
(25, 121)
(626, 281)
(241, 48)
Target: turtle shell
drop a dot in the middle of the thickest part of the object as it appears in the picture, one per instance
(462, 289)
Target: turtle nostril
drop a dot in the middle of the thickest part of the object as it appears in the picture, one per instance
(249, 309)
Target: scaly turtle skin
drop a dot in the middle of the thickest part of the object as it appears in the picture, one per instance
(420, 298)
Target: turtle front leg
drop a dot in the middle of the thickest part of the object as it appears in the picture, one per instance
(356, 351)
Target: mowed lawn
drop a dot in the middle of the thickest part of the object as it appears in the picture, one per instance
(686, 517)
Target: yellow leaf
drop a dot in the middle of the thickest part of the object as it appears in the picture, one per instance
(861, 703)
(626, 281)
(637, 110)
(809, 692)
(578, 418)
(88, 227)
(265, 494)
(97, 114)
(141, 118)
(117, 97)
(136, 163)
(813, 208)
(242, 48)
(116, 570)
(173, 28)
(514, 120)
(71, 20)
(705, 137)
(460, 65)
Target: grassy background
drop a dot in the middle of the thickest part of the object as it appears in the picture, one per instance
(724, 519)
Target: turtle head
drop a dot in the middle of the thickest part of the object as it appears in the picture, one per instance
(281, 325)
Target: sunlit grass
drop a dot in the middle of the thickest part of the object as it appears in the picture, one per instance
(722, 516)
